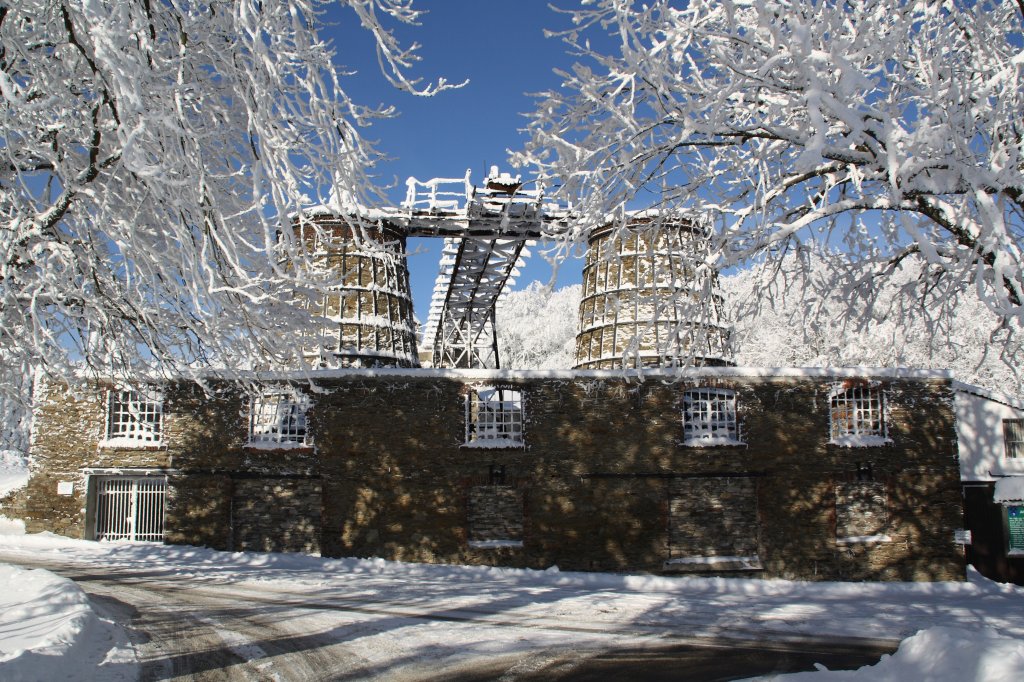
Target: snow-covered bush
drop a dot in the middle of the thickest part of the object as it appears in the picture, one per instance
(537, 327)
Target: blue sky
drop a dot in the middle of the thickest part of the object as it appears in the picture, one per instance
(500, 47)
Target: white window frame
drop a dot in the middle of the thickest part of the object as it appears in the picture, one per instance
(709, 417)
(494, 417)
(133, 419)
(277, 419)
(858, 416)
(1013, 438)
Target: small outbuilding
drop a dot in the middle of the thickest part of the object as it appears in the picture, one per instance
(990, 433)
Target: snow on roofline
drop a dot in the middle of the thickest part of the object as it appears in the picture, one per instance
(644, 374)
(652, 373)
(988, 394)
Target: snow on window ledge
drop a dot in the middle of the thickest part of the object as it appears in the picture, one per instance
(863, 540)
(495, 443)
(860, 441)
(495, 544)
(132, 444)
(275, 445)
(713, 442)
(714, 563)
(1015, 553)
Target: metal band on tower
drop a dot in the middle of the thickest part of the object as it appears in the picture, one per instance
(367, 320)
(649, 299)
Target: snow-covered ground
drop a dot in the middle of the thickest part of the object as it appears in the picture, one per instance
(13, 471)
(49, 631)
(951, 631)
(13, 475)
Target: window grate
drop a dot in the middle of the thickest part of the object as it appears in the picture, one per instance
(857, 413)
(130, 509)
(709, 416)
(279, 417)
(1013, 435)
(494, 416)
(132, 416)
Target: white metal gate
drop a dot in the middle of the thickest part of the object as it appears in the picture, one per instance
(130, 508)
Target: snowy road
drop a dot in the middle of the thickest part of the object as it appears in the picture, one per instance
(203, 629)
(198, 614)
(208, 630)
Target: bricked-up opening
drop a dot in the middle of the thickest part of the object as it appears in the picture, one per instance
(709, 417)
(861, 513)
(713, 524)
(133, 419)
(495, 516)
(129, 508)
(276, 514)
(278, 417)
(1013, 437)
(494, 417)
(857, 416)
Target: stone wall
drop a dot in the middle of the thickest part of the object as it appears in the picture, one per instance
(604, 482)
(712, 517)
(495, 513)
(276, 515)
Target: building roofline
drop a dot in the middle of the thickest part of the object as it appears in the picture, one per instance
(646, 374)
(996, 396)
(633, 374)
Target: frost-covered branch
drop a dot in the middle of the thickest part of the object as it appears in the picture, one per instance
(886, 127)
(151, 155)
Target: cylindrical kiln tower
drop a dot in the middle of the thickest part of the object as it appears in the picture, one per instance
(648, 301)
(367, 318)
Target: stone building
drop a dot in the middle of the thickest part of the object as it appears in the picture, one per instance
(808, 474)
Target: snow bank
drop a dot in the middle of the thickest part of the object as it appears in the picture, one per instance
(43, 618)
(11, 526)
(13, 471)
(939, 653)
(49, 631)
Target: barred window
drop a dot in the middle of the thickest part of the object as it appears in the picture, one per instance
(134, 418)
(1013, 435)
(709, 417)
(494, 417)
(279, 418)
(857, 416)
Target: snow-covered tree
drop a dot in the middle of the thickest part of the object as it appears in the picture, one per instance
(537, 327)
(153, 153)
(16, 415)
(887, 129)
(811, 324)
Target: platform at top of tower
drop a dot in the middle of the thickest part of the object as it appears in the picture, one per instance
(455, 207)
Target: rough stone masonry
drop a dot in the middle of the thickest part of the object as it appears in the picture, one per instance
(603, 478)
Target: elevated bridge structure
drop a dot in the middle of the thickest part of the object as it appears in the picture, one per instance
(486, 232)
